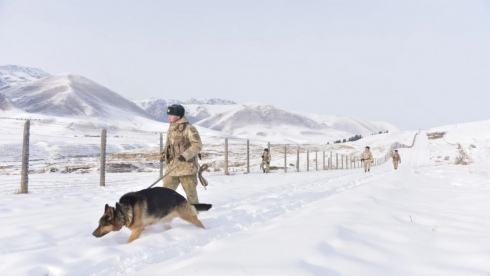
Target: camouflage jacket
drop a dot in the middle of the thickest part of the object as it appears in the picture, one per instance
(182, 139)
(396, 157)
(266, 156)
(367, 155)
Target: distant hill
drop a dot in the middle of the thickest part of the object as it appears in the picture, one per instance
(30, 92)
(13, 75)
(69, 95)
(196, 110)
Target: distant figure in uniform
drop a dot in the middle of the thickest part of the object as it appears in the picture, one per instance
(182, 146)
(367, 157)
(266, 159)
(396, 159)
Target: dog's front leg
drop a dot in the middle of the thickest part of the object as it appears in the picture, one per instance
(135, 233)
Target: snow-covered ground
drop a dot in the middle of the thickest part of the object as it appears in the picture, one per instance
(419, 220)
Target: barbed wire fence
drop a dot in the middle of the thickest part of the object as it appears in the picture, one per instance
(83, 155)
(244, 156)
(73, 149)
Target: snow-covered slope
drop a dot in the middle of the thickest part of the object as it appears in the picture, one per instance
(196, 110)
(13, 75)
(462, 143)
(5, 103)
(351, 124)
(68, 95)
(246, 115)
(260, 121)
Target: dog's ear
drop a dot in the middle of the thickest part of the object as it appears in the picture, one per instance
(118, 206)
(106, 207)
(110, 213)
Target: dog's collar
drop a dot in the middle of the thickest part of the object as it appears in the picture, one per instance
(126, 214)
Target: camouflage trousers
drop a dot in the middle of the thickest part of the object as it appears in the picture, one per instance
(367, 165)
(189, 183)
(395, 163)
(266, 165)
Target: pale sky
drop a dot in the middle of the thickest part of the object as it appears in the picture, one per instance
(415, 63)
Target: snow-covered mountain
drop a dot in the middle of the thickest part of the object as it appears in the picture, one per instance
(13, 75)
(352, 125)
(196, 110)
(68, 95)
(260, 121)
(6, 103)
(33, 91)
(265, 122)
(245, 115)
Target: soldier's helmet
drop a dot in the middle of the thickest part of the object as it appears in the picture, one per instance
(176, 109)
(396, 150)
(266, 149)
(368, 147)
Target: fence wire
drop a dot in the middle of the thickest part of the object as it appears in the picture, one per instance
(58, 151)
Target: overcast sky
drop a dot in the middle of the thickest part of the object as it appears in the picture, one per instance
(415, 64)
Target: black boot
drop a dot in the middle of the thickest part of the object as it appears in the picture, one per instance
(369, 170)
(264, 170)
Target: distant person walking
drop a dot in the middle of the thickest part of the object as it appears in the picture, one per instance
(266, 159)
(367, 157)
(396, 159)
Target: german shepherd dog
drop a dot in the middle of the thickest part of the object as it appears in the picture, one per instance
(136, 210)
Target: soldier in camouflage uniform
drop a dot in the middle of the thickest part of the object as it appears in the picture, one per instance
(367, 158)
(183, 145)
(396, 159)
(266, 159)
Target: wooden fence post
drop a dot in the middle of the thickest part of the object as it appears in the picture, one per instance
(316, 160)
(342, 160)
(248, 156)
(337, 161)
(307, 160)
(285, 158)
(161, 149)
(226, 156)
(24, 181)
(331, 161)
(103, 141)
(323, 160)
(269, 146)
(297, 160)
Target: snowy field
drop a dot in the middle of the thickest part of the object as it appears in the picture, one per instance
(426, 218)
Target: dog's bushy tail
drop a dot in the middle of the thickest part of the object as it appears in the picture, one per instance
(202, 207)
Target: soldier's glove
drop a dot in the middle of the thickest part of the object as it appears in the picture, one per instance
(162, 158)
(362, 160)
(181, 158)
(268, 163)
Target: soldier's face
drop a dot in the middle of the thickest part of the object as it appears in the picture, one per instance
(173, 118)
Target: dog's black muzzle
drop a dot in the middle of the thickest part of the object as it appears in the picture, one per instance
(99, 235)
